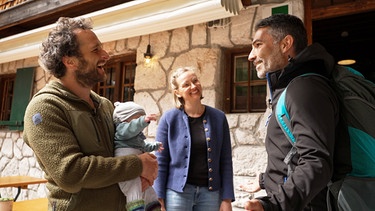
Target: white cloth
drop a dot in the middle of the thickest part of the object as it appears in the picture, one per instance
(132, 189)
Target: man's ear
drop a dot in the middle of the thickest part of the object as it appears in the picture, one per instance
(287, 43)
(69, 62)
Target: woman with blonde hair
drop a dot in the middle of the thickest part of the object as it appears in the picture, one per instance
(195, 167)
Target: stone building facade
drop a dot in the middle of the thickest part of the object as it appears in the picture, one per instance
(199, 46)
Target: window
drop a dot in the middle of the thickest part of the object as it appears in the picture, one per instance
(244, 91)
(6, 95)
(16, 92)
(119, 85)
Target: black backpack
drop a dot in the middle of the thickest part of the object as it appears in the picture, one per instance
(357, 96)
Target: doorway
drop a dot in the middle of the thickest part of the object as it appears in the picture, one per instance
(349, 37)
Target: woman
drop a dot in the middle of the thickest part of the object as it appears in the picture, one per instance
(195, 167)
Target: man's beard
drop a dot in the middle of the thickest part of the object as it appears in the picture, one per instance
(272, 63)
(88, 76)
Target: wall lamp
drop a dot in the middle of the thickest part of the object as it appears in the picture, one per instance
(148, 54)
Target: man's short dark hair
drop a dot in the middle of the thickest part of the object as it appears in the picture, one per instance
(281, 25)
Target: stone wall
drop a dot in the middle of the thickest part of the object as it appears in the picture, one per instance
(198, 46)
(16, 157)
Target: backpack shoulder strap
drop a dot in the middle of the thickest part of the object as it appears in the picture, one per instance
(283, 119)
(282, 115)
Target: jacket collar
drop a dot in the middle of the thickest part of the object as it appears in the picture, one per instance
(313, 59)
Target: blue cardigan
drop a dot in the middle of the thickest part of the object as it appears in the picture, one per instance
(173, 132)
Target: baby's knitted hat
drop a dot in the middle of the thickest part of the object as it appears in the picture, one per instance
(125, 110)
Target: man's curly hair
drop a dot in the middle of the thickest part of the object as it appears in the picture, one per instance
(61, 41)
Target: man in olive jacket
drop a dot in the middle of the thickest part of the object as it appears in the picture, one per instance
(70, 128)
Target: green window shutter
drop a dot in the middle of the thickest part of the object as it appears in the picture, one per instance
(21, 96)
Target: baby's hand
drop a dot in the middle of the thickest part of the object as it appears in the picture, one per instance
(161, 148)
(150, 117)
(145, 183)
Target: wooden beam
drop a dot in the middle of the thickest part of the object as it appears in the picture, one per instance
(31, 10)
(308, 20)
(355, 7)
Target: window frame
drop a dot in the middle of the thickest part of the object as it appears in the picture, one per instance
(229, 83)
(19, 96)
(5, 95)
(119, 65)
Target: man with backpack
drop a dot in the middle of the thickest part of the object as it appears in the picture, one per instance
(297, 179)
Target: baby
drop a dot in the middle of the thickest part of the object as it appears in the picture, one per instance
(130, 120)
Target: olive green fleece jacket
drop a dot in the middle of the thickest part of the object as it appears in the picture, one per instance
(73, 145)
